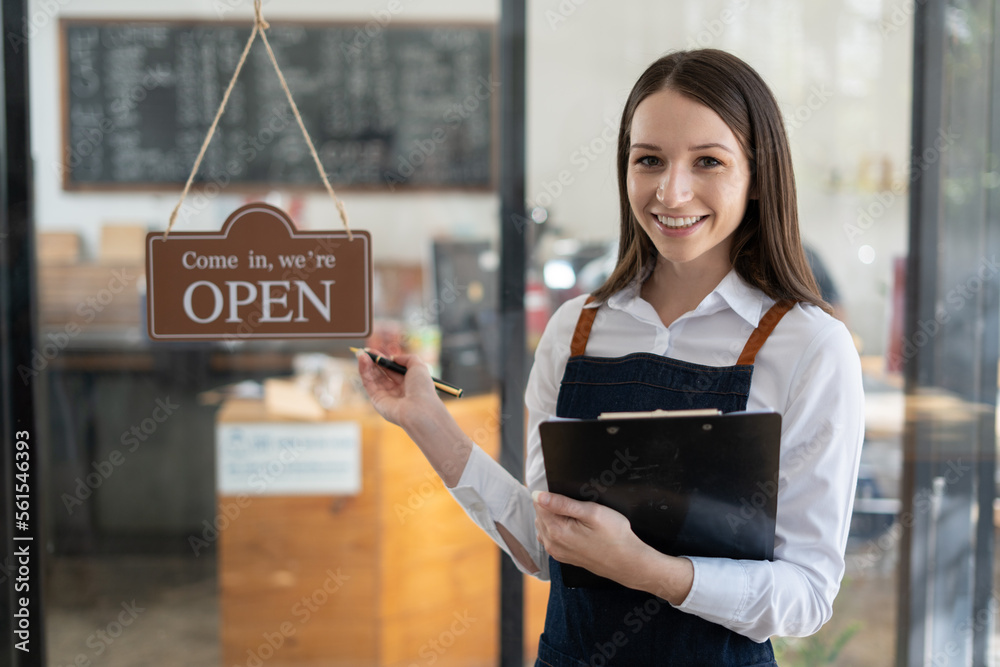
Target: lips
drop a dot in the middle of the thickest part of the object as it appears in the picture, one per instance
(681, 227)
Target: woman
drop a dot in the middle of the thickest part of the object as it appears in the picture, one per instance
(711, 289)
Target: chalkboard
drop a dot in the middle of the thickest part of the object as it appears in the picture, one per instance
(387, 107)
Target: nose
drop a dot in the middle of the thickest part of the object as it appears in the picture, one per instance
(674, 187)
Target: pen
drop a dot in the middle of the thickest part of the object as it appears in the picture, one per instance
(399, 368)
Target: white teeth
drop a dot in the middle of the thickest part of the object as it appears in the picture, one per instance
(678, 222)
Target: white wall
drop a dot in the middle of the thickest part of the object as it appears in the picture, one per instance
(841, 68)
(845, 58)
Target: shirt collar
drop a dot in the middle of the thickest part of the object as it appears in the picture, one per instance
(626, 297)
(733, 292)
(746, 300)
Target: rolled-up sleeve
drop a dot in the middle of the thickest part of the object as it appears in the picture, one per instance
(486, 491)
(491, 495)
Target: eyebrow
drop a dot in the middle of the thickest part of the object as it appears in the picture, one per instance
(713, 145)
(654, 147)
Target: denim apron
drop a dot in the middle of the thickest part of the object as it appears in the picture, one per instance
(623, 626)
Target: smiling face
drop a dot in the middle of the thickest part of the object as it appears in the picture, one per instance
(688, 181)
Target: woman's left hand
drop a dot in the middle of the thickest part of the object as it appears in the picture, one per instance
(601, 540)
(586, 534)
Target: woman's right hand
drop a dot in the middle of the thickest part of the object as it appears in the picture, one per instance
(400, 399)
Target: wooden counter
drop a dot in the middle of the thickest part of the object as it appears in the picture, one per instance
(395, 576)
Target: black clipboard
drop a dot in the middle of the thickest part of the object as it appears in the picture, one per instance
(690, 486)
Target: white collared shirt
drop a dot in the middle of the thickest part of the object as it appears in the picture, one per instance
(808, 370)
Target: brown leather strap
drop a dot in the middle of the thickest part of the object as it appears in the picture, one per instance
(582, 332)
(763, 330)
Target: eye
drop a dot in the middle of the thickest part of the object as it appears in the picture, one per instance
(648, 161)
(709, 162)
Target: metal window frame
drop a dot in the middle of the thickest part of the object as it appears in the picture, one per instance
(934, 618)
(17, 336)
(513, 262)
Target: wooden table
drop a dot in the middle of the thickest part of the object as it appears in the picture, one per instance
(394, 576)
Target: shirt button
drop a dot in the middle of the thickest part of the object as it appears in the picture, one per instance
(477, 507)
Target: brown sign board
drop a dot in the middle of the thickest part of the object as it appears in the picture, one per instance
(258, 278)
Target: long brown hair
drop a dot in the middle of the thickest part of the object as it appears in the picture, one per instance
(766, 251)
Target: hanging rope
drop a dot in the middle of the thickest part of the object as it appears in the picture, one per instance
(259, 26)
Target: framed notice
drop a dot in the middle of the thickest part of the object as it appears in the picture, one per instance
(279, 459)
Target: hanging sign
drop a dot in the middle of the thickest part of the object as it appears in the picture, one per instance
(258, 278)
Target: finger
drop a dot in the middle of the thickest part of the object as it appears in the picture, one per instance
(365, 363)
(563, 505)
(371, 373)
(411, 361)
(553, 529)
(380, 384)
(548, 527)
(408, 360)
(555, 534)
(417, 372)
(542, 515)
(364, 356)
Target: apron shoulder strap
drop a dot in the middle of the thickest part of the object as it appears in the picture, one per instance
(582, 332)
(763, 330)
(578, 345)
